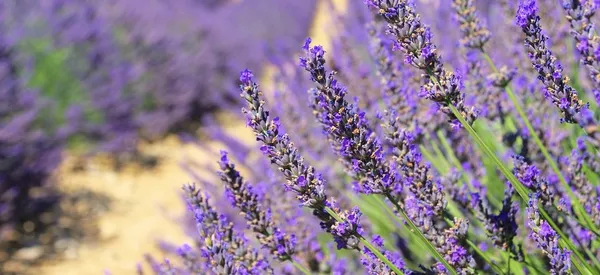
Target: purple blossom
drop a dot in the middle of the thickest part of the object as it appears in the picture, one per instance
(549, 70)
(530, 176)
(414, 38)
(347, 127)
(546, 239)
(374, 267)
(474, 34)
(446, 241)
(225, 250)
(243, 196)
(300, 178)
(501, 228)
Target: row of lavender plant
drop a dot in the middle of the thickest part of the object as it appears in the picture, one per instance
(143, 70)
(487, 164)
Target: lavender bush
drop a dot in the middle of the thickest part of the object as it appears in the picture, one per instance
(439, 137)
(131, 71)
(29, 152)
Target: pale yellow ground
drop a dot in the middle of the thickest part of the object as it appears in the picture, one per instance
(145, 207)
(144, 202)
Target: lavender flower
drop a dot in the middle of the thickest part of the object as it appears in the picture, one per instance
(501, 228)
(587, 194)
(546, 239)
(414, 38)
(474, 34)
(347, 127)
(447, 242)
(532, 178)
(226, 251)
(242, 196)
(579, 14)
(550, 71)
(396, 80)
(374, 266)
(416, 174)
(300, 178)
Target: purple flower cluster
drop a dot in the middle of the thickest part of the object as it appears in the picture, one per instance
(242, 196)
(300, 178)
(549, 69)
(588, 194)
(415, 39)
(579, 15)
(546, 239)
(500, 228)
(532, 178)
(138, 75)
(347, 127)
(475, 35)
(224, 250)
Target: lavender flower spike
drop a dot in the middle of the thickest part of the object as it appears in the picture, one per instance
(532, 178)
(579, 14)
(242, 196)
(546, 239)
(550, 71)
(301, 178)
(475, 35)
(226, 251)
(347, 127)
(414, 38)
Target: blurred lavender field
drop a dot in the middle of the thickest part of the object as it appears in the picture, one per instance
(82, 79)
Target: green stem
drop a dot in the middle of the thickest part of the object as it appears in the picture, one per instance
(451, 223)
(578, 208)
(519, 187)
(300, 267)
(508, 265)
(416, 230)
(368, 244)
(460, 168)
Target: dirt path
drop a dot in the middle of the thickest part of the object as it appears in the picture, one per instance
(145, 206)
(134, 220)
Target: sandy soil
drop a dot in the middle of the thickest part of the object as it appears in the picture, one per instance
(144, 203)
(145, 206)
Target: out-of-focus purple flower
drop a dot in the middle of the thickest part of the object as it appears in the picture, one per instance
(30, 151)
(475, 35)
(579, 14)
(446, 241)
(550, 71)
(546, 239)
(414, 38)
(374, 267)
(396, 80)
(416, 174)
(587, 194)
(501, 228)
